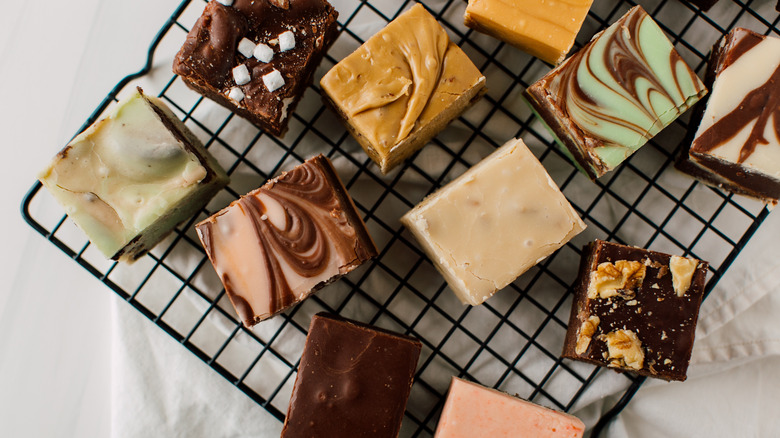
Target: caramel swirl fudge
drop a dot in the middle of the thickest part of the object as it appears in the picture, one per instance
(354, 381)
(608, 99)
(543, 28)
(493, 223)
(737, 141)
(475, 411)
(402, 87)
(278, 244)
(131, 177)
(635, 310)
(257, 57)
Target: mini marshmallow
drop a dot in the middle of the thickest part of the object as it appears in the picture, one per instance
(286, 41)
(263, 53)
(246, 47)
(241, 75)
(273, 81)
(236, 94)
(226, 2)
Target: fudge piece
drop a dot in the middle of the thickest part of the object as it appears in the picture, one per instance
(431, 82)
(545, 29)
(704, 5)
(131, 177)
(737, 143)
(278, 244)
(494, 222)
(611, 97)
(635, 310)
(257, 57)
(474, 411)
(353, 381)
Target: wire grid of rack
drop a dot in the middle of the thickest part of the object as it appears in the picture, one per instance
(513, 341)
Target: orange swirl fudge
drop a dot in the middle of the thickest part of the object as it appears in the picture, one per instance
(402, 87)
(545, 29)
(607, 100)
(278, 244)
(475, 411)
(493, 223)
(131, 177)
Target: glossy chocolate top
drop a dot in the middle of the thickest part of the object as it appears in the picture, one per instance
(279, 243)
(210, 52)
(353, 381)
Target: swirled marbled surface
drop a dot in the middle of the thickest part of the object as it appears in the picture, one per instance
(279, 243)
(616, 93)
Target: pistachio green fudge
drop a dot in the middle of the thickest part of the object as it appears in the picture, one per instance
(621, 89)
(130, 178)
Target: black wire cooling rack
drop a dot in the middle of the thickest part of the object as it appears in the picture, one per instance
(513, 341)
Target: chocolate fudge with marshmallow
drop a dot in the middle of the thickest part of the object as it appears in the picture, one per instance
(257, 58)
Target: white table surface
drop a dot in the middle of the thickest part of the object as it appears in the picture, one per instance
(58, 61)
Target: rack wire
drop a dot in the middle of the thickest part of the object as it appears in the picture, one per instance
(513, 341)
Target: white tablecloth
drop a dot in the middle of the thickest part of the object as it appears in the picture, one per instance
(75, 361)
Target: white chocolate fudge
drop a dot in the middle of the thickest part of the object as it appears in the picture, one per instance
(128, 179)
(493, 223)
(474, 411)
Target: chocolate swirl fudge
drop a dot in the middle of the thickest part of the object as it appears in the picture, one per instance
(278, 244)
(736, 144)
(257, 57)
(616, 93)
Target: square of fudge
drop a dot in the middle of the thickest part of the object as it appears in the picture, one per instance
(402, 87)
(257, 57)
(280, 243)
(608, 99)
(130, 178)
(635, 310)
(353, 381)
(736, 144)
(473, 410)
(545, 29)
(493, 223)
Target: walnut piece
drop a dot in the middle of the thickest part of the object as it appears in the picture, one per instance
(282, 4)
(682, 273)
(625, 349)
(585, 334)
(620, 278)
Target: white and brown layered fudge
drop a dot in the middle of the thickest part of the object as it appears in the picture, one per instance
(475, 411)
(608, 99)
(354, 381)
(257, 57)
(635, 310)
(131, 177)
(493, 223)
(737, 141)
(402, 87)
(278, 244)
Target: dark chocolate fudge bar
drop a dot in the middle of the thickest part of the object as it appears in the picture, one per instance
(285, 240)
(635, 310)
(257, 57)
(736, 136)
(353, 381)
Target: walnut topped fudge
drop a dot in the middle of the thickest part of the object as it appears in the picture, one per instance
(256, 57)
(635, 310)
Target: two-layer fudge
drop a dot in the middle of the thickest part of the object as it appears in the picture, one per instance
(402, 87)
(475, 411)
(737, 141)
(130, 178)
(545, 29)
(493, 223)
(608, 99)
(635, 310)
(257, 57)
(353, 381)
(278, 244)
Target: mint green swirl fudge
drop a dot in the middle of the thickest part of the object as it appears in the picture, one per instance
(621, 89)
